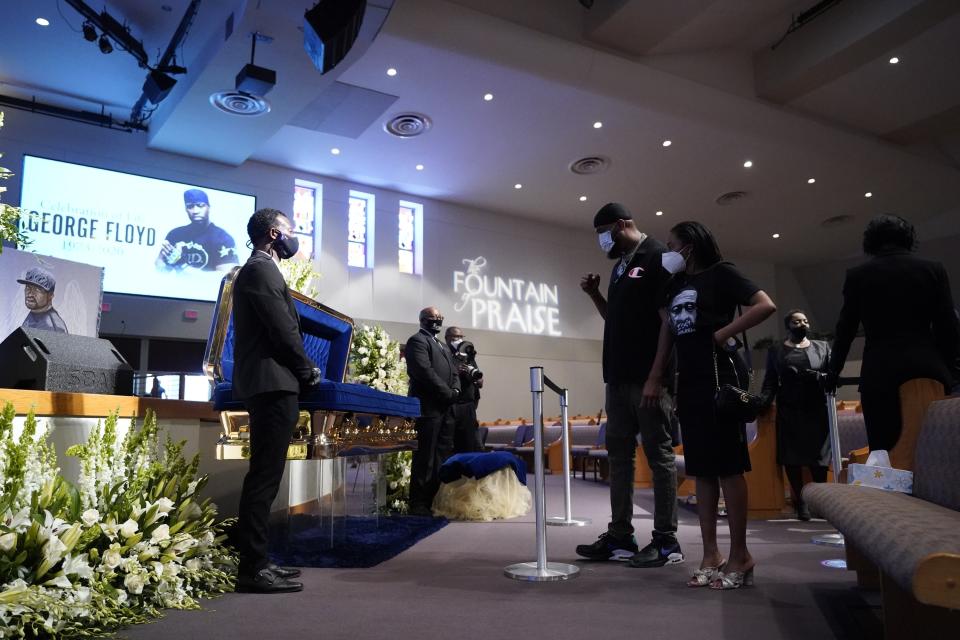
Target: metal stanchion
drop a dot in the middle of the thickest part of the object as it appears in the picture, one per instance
(832, 539)
(541, 570)
(566, 520)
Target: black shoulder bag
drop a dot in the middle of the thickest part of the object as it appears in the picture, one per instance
(732, 401)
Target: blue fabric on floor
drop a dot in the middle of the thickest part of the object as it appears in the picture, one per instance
(364, 543)
(478, 465)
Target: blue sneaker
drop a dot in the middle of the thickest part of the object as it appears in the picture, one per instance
(662, 550)
(609, 547)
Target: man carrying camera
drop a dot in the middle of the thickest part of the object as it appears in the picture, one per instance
(465, 436)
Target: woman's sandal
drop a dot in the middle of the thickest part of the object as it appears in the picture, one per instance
(704, 576)
(733, 580)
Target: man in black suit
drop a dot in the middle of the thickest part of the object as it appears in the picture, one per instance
(434, 380)
(911, 328)
(270, 368)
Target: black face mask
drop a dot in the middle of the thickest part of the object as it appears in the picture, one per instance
(798, 334)
(286, 246)
(433, 326)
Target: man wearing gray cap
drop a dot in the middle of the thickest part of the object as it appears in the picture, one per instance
(199, 245)
(38, 285)
(634, 400)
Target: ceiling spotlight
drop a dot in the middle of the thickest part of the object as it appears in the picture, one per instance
(391, 72)
(518, 186)
(419, 167)
(89, 33)
(776, 236)
(659, 213)
(104, 44)
(597, 124)
(583, 198)
(894, 60)
(811, 180)
(488, 97)
(868, 194)
(748, 164)
(43, 22)
(667, 143)
(335, 151)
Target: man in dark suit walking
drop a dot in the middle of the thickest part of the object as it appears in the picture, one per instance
(434, 380)
(911, 328)
(270, 368)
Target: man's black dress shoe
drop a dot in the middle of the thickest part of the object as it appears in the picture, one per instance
(284, 572)
(266, 581)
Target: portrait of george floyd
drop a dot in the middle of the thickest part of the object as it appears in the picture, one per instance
(46, 293)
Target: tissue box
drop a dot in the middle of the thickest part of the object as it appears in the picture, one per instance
(885, 478)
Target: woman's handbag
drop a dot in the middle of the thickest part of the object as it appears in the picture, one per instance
(734, 402)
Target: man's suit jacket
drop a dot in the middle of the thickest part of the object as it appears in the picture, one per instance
(267, 345)
(433, 374)
(909, 321)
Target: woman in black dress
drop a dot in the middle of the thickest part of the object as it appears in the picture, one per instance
(794, 370)
(700, 319)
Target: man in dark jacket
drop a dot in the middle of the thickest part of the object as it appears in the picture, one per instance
(270, 368)
(911, 328)
(434, 380)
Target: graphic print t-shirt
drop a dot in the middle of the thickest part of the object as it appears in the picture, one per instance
(203, 248)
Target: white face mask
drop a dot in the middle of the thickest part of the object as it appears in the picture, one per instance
(606, 241)
(673, 262)
(456, 343)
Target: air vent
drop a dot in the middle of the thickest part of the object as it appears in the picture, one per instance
(731, 197)
(240, 104)
(836, 221)
(590, 165)
(408, 125)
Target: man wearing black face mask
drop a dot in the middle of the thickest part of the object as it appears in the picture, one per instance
(270, 369)
(465, 436)
(435, 381)
(630, 347)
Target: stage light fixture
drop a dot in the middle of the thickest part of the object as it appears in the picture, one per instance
(104, 44)
(89, 32)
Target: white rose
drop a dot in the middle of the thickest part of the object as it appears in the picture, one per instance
(112, 558)
(90, 517)
(161, 533)
(193, 564)
(128, 528)
(8, 541)
(365, 361)
(165, 505)
(133, 583)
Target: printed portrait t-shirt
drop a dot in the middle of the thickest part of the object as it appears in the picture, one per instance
(204, 248)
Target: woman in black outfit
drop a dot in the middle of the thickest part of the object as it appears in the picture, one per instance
(911, 328)
(793, 373)
(700, 319)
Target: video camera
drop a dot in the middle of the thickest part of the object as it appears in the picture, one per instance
(466, 354)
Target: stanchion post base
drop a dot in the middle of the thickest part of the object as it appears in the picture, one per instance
(560, 521)
(829, 539)
(553, 572)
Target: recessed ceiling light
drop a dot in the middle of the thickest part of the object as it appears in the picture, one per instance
(868, 194)
(667, 143)
(43, 22)
(335, 151)
(894, 60)
(419, 167)
(518, 186)
(488, 97)
(583, 198)
(597, 124)
(659, 213)
(811, 180)
(776, 236)
(391, 72)
(748, 164)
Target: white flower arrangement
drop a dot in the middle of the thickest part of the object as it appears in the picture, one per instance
(129, 540)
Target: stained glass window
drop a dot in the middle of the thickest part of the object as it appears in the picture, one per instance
(410, 237)
(360, 230)
(306, 216)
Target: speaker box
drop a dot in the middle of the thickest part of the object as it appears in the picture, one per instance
(330, 29)
(51, 361)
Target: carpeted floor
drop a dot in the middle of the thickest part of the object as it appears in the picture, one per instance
(451, 584)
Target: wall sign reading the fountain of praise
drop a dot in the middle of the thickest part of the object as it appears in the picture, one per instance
(505, 303)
